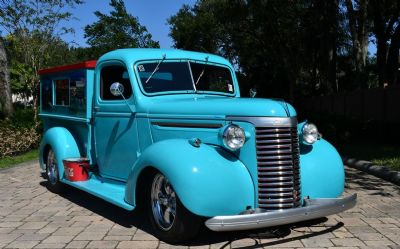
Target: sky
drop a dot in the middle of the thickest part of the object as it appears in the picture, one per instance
(151, 13)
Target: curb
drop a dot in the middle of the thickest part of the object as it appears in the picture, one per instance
(373, 169)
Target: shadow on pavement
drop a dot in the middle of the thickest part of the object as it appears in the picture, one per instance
(135, 219)
(360, 181)
(278, 235)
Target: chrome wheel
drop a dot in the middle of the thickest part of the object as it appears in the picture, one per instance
(163, 202)
(52, 168)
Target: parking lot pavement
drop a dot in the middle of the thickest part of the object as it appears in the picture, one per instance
(33, 217)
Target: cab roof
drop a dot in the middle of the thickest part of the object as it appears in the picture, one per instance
(132, 55)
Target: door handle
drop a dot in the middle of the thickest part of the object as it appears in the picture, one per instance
(96, 109)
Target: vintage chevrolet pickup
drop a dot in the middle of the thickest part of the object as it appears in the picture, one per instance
(167, 131)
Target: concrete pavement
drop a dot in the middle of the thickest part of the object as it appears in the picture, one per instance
(33, 217)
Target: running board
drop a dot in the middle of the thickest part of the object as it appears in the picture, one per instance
(106, 189)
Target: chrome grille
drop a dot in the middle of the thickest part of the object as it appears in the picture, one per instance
(278, 167)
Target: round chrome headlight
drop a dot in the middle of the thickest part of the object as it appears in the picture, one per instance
(233, 137)
(310, 133)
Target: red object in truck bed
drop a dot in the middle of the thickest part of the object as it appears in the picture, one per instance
(85, 64)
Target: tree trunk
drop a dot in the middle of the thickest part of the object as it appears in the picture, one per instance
(383, 30)
(5, 88)
(332, 21)
(35, 109)
(393, 57)
(358, 23)
(381, 53)
(34, 85)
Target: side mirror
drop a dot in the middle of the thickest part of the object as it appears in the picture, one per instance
(117, 89)
(253, 92)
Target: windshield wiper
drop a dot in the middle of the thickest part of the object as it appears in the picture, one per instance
(156, 69)
(202, 72)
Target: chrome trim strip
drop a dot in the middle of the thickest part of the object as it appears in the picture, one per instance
(277, 146)
(266, 121)
(187, 125)
(277, 173)
(181, 116)
(274, 141)
(114, 114)
(261, 130)
(70, 118)
(273, 152)
(314, 208)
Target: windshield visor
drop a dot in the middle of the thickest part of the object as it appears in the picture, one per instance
(183, 76)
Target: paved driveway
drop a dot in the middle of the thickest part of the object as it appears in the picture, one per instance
(33, 217)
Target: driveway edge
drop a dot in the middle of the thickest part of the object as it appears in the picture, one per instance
(23, 164)
(373, 169)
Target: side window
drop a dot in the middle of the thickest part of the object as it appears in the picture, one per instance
(111, 74)
(47, 94)
(61, 92)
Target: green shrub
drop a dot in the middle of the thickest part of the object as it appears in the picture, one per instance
(18, 133)
(14, 141)
(22, 117)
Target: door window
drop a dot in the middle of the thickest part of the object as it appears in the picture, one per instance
(111, 74)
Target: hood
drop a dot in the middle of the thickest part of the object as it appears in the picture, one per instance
(221, 106)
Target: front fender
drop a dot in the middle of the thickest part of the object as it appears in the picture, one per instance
(322, 171)
(63, 144)
(208, 180)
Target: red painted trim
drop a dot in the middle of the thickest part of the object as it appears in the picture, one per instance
(86, 64)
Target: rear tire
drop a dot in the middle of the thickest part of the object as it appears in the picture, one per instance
(52, 173)
(170, 220)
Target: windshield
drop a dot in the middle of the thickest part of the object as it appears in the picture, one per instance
(182, 76)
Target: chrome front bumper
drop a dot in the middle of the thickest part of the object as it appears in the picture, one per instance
(312, 209)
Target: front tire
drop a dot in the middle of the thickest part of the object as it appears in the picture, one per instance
(170, 220)
(52, 173)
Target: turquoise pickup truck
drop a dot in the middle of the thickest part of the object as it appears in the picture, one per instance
(167, 131)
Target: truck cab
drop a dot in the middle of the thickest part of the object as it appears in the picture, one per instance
(168, 130)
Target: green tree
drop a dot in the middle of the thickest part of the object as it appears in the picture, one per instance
(119, 29)
(57, 53)
(197, 29)
(34, 28)
(276, 45)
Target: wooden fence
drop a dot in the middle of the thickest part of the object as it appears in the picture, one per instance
(382, 105)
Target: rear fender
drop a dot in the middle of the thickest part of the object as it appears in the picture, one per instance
(63, 144)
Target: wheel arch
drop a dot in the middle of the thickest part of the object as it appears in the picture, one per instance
(61, 141)
(145, 175)
(46, 150)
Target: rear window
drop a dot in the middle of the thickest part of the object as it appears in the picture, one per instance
(64, 93)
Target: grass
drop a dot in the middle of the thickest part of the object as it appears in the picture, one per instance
(379, 154)
(10, 161)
